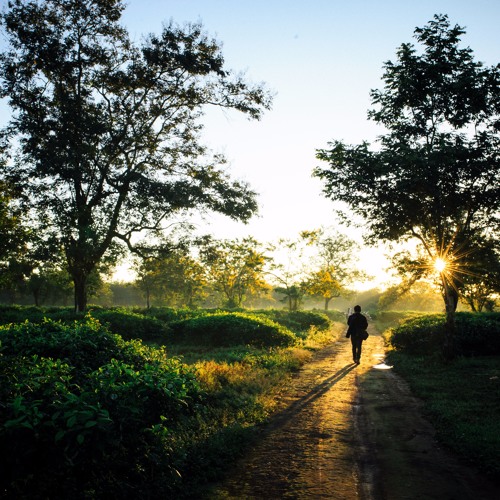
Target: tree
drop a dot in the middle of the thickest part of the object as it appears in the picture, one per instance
(108, 132)
(287, 268)
(434, 174)
(336, 269)
(234, 267)
(14, 237)
(174, 277)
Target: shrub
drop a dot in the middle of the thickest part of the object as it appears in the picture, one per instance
(228, 329)
(83, 345)
(422, 335)
(124, 322)
(19, 314)
(335, 315)
(297, 321)
(169, 314)
(476, 334)
(82, 409)
(131, 325)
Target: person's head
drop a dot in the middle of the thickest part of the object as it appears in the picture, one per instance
(357, 309)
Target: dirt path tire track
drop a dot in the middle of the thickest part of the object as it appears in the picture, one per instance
(345, 431)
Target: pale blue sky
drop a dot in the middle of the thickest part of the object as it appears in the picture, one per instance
(321, 57)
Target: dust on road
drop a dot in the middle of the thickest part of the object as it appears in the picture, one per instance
(345, 431)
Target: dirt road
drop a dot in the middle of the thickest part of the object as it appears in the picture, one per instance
(345, 431)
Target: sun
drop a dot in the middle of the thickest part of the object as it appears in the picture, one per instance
(440, 265)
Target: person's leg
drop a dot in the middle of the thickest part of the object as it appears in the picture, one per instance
(358, 353)
(353, 343)
(356, 350)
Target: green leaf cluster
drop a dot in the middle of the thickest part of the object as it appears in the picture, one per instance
(80, 406)
(227, 329)
(476, 334)
(298, 321)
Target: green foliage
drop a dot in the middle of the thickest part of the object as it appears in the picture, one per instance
(128, 324)
(334, 315)
(81, 407)
(33, 314)
(226, 329)
(168, 314)
(297, 321)
(89, 414)
(476, 334)
(464, 413)
(131, 325)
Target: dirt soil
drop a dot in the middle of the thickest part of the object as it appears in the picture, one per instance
(346, 431)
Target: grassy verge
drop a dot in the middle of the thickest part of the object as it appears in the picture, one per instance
(462, 400)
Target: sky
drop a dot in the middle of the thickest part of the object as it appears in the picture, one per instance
(320, 58)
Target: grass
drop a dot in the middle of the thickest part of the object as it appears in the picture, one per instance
(462, 400)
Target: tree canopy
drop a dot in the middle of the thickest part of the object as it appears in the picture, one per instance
(433, 174)
(106, 133)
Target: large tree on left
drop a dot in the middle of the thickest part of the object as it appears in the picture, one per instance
(108, 132)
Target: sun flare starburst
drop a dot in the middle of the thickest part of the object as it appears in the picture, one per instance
(440, 264)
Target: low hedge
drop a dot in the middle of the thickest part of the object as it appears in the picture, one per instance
(169, 314)
(128, 324)
(34, 314)
(229, 329)
(131, 325)
(85, 414)
(297, 321)
(477, 334)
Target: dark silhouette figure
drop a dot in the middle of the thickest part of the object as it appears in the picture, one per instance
(357, 332)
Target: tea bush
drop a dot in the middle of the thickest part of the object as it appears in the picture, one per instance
(297, 321)
(131, 325)
(85, 414)
(128, 324)
(228, 329)
(169, 314)
(420, 335)
(476, 334)
(33, 314)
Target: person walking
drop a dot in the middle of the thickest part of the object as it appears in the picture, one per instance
(357, 332)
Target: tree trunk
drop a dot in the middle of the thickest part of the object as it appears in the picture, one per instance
(327, 302)
(451, 302)
(80, 283)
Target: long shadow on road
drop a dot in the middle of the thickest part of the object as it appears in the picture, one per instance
(315, 393)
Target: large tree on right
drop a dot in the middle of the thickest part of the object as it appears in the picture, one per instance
(434, 174)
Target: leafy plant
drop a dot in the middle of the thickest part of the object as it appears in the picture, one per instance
(225, 329)
(298, 321)
(82, 409)
(476, 334)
